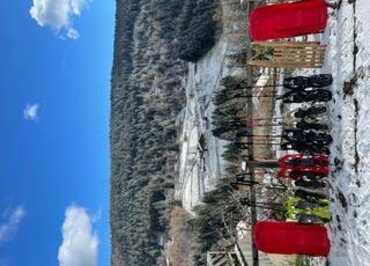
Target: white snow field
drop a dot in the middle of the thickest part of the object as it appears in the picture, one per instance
(348, 59)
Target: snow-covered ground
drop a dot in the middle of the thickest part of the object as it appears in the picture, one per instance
(201, 167)
(348, 59)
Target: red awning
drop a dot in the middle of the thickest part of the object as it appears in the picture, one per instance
(288, 20)
(290, 238)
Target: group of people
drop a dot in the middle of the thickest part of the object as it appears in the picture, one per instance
(309, 137)
(307, 89)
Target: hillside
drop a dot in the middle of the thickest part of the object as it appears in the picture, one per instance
(154, 40)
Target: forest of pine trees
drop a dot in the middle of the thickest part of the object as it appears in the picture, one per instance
(153, 41)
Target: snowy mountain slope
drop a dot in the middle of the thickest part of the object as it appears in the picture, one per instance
(201, 165)
(348, 60)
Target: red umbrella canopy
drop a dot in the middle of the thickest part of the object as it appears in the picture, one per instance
(288, 20)
(291, 238)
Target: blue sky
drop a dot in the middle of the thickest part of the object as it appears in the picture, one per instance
(54, 118)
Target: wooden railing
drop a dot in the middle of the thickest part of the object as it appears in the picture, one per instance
(287, 54)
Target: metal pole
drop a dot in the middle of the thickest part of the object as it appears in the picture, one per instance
(255, 254)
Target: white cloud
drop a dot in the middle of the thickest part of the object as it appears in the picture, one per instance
(80, 242)
(97, 216)
(31, 112)
(58, 15)
(73, 34)
(13, 218)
